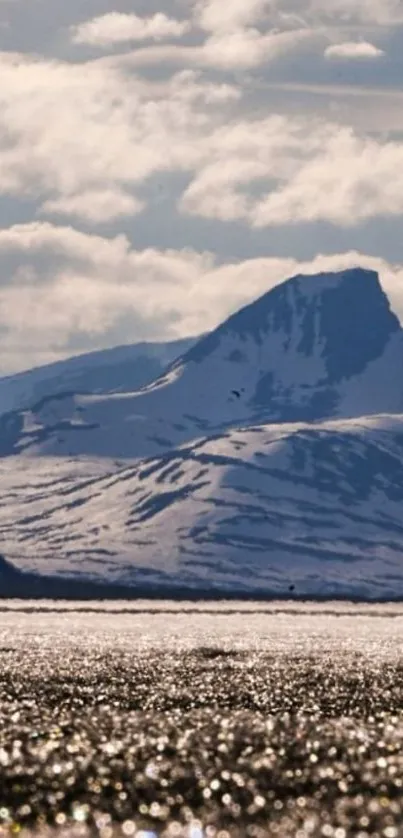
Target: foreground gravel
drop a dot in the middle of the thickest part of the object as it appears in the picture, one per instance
(201, 741)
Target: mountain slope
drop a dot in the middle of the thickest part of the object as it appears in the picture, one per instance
(106, 371)
(318, 507)
(312, 348)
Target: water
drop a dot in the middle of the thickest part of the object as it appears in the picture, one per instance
(204, 720)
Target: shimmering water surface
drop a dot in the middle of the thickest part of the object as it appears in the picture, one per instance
(202, 720)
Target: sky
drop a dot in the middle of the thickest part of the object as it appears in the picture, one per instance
(162, 164)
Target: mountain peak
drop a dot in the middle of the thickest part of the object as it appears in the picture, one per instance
(353, 318)
(304, 342)
(347, 312)
(326, 280)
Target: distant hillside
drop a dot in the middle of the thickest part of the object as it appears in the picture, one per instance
(106, 371)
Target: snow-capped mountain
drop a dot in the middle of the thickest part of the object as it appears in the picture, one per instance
(269, 455)
(105, 371)
(313, 348)
(313, 506)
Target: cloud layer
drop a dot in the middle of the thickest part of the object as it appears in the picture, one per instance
(231, 121)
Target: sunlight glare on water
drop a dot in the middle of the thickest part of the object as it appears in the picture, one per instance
(201, 720)
(283, 627)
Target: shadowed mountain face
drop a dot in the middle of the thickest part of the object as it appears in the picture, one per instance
(315, 347)
(7, 570)
(347, 314)
(311, 334)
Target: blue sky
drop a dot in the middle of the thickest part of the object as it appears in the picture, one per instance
(163, 163)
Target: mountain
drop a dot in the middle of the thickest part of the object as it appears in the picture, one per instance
(313, 348)
(267, 457)
(257, 509)
(106, 371)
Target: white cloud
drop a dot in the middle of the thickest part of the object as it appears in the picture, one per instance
(95, 206)
(348, 180)
(61, 137)
(353, 49)
(246, 48)
(215, 15)
(289, 170)
(118, 27)
(60, 284)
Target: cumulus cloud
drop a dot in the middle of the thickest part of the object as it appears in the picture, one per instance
(96, 206)
(118, 27)
(304, 171)
(64, 139)
(347, 180)
(59, 283)
(214, 15)
(353, 49)
(107, 137)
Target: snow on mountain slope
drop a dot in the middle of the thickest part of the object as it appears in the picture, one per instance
(313, 348)
(106, 371)
(316, 506)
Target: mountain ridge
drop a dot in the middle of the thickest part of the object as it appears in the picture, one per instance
(280, 359)
(99, 371)
(265, 508)
(267, 457)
